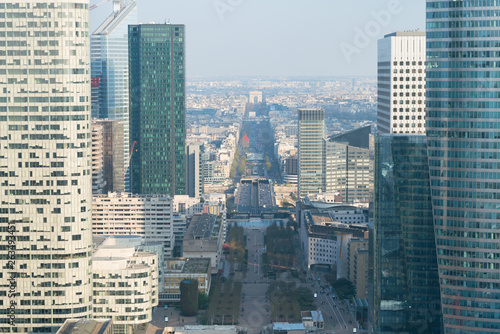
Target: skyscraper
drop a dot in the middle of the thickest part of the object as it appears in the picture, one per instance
(109, 55)
(311, 133)
(157, 108)
(406, 287)
(45, 163)
(194, 170)
(463, 135)
(401, 83)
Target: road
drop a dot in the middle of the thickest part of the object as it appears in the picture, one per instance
(336, 313)
(254, 303)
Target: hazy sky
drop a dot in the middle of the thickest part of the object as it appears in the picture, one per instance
(281, 37)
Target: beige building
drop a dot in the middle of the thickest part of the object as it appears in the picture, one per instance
(358, 265)
(204, 238)
(125, 283)
(150, 216)
(178, 269)
(45, 163)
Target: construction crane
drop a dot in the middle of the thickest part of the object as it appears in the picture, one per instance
(130, 155)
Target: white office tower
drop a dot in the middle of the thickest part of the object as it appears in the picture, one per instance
(401, 83)
(45, 164)
(109, 54)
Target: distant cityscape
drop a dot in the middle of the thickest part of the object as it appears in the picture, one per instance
(137, 200)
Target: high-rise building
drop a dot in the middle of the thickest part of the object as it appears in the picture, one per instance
(464, 158)
(107, 154)
(157, 108)
(194, 170)
(347, 165)
(110, 81)
(406, 286)
(401, 83)
(45, 164)
(311, 133)
(98, 183)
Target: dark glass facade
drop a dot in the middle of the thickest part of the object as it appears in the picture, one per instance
(157, 109)
(406, 286)
(463, 133)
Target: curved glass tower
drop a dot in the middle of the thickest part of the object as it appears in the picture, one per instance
(463, 135)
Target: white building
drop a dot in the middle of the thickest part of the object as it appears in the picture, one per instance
(150, 216)
(125, 283)
(45, 164)
(401, 83)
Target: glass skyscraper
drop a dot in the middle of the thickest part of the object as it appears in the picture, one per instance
(463, 135)
(157, 109)
(109, 66)
(45, 164)
(311, 133)
(406, 286)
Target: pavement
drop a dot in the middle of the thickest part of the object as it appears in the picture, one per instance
(254, 312)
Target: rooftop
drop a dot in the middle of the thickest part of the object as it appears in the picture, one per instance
(84, 326)
(187, 265)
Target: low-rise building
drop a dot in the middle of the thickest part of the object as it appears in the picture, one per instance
(204, 238)
(125, 283)
(86, 326)
(205, 330)
(178, 269)
(325, 234)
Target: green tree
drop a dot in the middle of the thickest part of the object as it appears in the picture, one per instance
(344, 288)
(189, 297)
(203, 301)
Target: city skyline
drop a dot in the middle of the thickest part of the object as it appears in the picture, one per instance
(257, 38)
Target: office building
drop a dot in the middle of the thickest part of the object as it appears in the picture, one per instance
(347, 171)
(204, 238)
(179, 269)
(463, 148)
(401, 83)
(45, 163)
(311, 133)
(109, 71)
(110, 132)
(150, 216)
(125, 283)
(98, 183)
(358, 265)
(194, 170)
(157, 109)
(406, 286)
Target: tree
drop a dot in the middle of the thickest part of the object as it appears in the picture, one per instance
(189, 297)
(203, 301)
(344, 288)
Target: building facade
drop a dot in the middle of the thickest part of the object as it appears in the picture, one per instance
(157, 108)
(311, 133)
(98, 182)
(45, 164)
(194, 170)
(406, 287)
(110, 81)
(150, 216)
(358, 266)
(125, 283)
(463, 149)
(401, 83)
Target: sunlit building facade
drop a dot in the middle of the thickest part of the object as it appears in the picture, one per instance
(45, 164)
